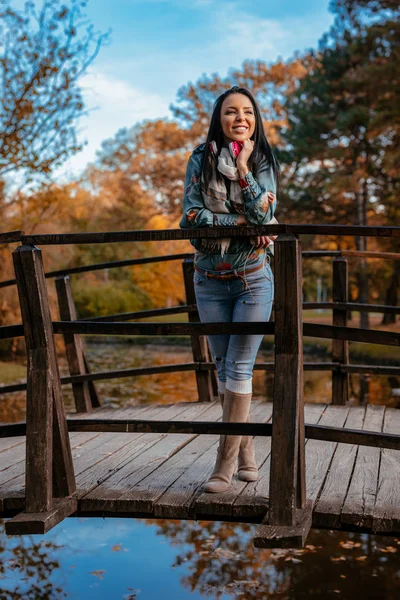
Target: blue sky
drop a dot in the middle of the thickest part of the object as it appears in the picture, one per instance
(158, 45)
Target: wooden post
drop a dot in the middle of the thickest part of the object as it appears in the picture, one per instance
(39, 442)
(340, 348)
(85, 394)
(206, 387)
(49, 467)
(290, 517)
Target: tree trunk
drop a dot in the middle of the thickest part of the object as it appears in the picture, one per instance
(361, 245)
(391, 296)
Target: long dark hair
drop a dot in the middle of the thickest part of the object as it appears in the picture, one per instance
(262, 149)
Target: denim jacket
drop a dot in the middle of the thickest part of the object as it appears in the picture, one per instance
(257, 209)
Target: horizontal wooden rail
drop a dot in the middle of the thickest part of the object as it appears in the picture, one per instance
(351, 334)
(350, 254)
(315, 432)
(11, 331)
(354, 306)
(109, 237)
(106, 265)
(9, 237)
(153, 259)
(269, 367)
(309, 329)
(142, 314)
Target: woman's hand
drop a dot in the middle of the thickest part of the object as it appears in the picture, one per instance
(242, 220)
(243, 157)
(262, 241)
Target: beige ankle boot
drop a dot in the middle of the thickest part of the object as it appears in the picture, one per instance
(247, 470)
(235, 410)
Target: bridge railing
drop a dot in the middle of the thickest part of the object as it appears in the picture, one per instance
(50, 481)
(83, 380)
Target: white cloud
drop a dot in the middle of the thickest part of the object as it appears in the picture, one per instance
(115, 103)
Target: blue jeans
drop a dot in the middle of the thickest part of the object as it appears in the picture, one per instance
(228, 301)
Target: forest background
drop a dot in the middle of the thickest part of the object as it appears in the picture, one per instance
(332, 115)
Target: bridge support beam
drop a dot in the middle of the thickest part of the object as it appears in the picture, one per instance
(49, 478)
(289, 517)
(85, 393)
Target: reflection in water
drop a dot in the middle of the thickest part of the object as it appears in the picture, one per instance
(102, 558)
(27, 567)
(153, 559)
(221, 559)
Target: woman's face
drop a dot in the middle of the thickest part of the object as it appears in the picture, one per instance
(237, 118)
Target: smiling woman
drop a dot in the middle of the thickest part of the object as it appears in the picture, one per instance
(232, 180)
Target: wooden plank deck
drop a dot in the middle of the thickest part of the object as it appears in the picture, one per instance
(161, 475)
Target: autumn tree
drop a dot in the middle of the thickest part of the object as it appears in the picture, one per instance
(43, 54)
(155, 153)
(340, 152)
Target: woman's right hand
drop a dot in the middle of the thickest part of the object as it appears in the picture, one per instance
(242, 220)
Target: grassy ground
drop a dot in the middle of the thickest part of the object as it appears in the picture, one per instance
(11, 372)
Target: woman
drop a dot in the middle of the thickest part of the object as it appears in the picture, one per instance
(231, 180)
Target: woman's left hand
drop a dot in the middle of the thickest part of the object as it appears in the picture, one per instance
(261, 241)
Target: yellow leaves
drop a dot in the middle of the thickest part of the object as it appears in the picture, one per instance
(349, 544)
(99, 574)
(388, 549)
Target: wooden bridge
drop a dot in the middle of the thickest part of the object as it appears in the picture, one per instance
(325, 466)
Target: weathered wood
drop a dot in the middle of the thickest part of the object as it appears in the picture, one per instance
(42, 522)
(143, 314)
(109, 237)
(353, 334)
(39, 438)
(287, 443)
(94, 396)
(158, 426)
(131, 425)
(353, 306)
(11, 331)
(130, 262)
(104, 461)
(10, 442)
(12, 490)
(199, 343)
(111, 486)
(117, 449)
(350, 253)
(73, 345)
(145, 494)
(340, 348)
(11, 236)
(386, 515)
(286, 536)
(319, 453)
(360, 499)
(176, 368)
(330, 502)
(151, 259)
(107, 265)
(38, 334)
(389, 338)
(137, 372)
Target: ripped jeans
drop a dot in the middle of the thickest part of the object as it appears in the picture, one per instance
(227, 301)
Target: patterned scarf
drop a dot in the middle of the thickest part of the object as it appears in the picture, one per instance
(217, 194)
